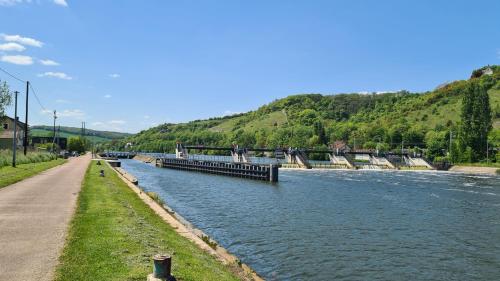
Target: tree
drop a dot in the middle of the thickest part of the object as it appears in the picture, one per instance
(436, 143)
(476, 120)
(77, 144)
(5, 97)
(319, 130)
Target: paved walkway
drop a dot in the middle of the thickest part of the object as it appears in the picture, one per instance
(34, 217)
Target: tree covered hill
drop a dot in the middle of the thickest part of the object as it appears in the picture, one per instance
(385, 121)
(67, 132)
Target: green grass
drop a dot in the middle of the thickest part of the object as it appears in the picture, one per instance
(265, 122)
(10, 175)
(45, 133)
(30, 157)
(114, 235)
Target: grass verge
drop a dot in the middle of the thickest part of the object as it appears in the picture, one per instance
(10, 175)
(114, 235)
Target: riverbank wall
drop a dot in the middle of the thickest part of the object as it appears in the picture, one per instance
(186, 230)
(475, 170)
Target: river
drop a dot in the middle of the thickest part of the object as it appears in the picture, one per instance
(344, 225)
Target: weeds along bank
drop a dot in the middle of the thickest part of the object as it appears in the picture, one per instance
(31, 157)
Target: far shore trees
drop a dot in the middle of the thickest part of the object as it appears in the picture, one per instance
(476, 121)
(5, 97)
(77, 144)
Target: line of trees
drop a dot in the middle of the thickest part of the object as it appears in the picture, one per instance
(5, 98)
(475, 124)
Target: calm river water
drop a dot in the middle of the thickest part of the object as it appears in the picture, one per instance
(344, 225)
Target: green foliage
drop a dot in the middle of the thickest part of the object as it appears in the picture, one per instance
(156, 198)
(78, 144)
(67, 132)
(476, 119)
(30, 157)
(384, 121)
(5, 98)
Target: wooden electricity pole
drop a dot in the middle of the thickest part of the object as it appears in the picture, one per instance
(25, 141)
(14, 138)
(54, 140)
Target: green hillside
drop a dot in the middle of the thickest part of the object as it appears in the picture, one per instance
(67, 132)
(385, 121)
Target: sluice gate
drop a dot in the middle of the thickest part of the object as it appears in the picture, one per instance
(241, 170)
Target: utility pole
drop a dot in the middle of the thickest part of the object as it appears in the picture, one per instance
(402, 149)
(14, 138)
(54, 140)
(25, 142)
(451, 148)
(58, 136)
(487, 152)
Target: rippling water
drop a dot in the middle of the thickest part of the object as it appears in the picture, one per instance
(344, 225)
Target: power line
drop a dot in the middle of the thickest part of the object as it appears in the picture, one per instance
(36, 97)
(23, 81)
(12, 75)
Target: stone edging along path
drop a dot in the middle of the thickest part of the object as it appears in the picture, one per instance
(191, 234)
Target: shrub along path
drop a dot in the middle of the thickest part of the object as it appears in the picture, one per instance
(34, 217)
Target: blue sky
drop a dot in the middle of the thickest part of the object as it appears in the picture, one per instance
(130, 65)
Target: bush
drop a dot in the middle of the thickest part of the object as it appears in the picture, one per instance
(31, 157)
(156, 198)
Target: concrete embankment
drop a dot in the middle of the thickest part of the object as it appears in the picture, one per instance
(184, 229)
(144, 158)
(474, 170)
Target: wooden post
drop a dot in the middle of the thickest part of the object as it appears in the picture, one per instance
(14, 137)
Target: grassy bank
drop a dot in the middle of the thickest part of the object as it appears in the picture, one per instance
(9, 175)
(114, 235)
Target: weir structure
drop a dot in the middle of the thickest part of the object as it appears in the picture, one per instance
(240, 166)
(241, 162)
(298, 158)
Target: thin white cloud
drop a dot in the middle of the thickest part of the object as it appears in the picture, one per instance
(49, 62)
(10, 2)
(62, 101)
(61, 3)
(22, 40)
(72, 113)
(11, 46)
(18, 59)
(376, 92)
(116, 122)
(45, 112)
(146, 117)
(60, 75)
(114, 75)
(15, 2)
(230, 112)
(107, 96)
(112, 125)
